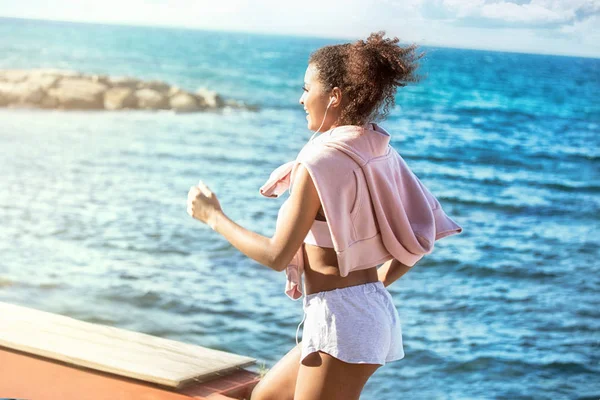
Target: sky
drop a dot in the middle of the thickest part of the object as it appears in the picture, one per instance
(562, 27)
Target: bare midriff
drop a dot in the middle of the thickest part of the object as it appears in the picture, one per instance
(322, 273)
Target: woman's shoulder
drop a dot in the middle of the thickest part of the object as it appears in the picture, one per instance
(320, 155)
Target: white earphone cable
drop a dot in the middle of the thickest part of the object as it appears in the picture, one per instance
(325, 116)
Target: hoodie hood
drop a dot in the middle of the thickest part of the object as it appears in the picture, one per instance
(409, 216)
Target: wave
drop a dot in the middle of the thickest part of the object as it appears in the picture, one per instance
(506, 178)
(570, 326)
(561, 155)
(159, 249)
(589, 397)
(514, 115)
(425, 357)
(567, 187)
(224, 308)
(484, 271)
(483, 363)
(516, 209)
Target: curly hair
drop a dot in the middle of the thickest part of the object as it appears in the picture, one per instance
(368, 73)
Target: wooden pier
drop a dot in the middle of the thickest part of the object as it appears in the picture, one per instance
(50, 356)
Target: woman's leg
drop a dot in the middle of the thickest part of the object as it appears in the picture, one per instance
(280, 382)
(324, 377)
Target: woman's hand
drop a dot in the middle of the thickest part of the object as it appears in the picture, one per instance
(202, 204)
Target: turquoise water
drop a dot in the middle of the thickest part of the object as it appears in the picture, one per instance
(94, 223)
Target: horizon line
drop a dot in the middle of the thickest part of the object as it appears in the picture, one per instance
(263, 33)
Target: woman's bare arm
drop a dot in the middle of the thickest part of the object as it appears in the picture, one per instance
(278, 251)
(391, 271)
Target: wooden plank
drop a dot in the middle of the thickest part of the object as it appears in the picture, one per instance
(115, 350)
(25, 376)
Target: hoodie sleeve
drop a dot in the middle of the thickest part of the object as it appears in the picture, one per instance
(278, 182)
(444, 225)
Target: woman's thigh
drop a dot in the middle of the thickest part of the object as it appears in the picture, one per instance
(280, 382)
(322, 376)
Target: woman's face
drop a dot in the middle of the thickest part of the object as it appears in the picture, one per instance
(315, 100)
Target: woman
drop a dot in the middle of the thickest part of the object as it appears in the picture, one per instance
(354, 205)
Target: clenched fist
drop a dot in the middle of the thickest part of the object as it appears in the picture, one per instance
(202, 204)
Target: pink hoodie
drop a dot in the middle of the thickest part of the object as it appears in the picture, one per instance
(376, 207)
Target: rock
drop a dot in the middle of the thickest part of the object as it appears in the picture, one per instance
(63, 89)
(211, 98)
(173, 90)
(14, 76)
(75, 93)
(43, 81)
(118, 98)
(20, 93)
(236, 104)
(33, 96)
(26, 106)
(30, 91)
(49, 102)
(184, 102)
(201, 101)
(151, 99)
(123, 81)
(59, 73)
(103, 79)
(154, 85)
(233, 104)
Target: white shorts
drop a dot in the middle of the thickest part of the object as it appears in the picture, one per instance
(356, 324)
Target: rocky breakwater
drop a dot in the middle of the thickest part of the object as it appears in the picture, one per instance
(70, 90)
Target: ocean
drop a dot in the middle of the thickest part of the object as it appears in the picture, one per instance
(93, 220)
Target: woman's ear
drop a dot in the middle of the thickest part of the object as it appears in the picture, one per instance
(336, 97)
